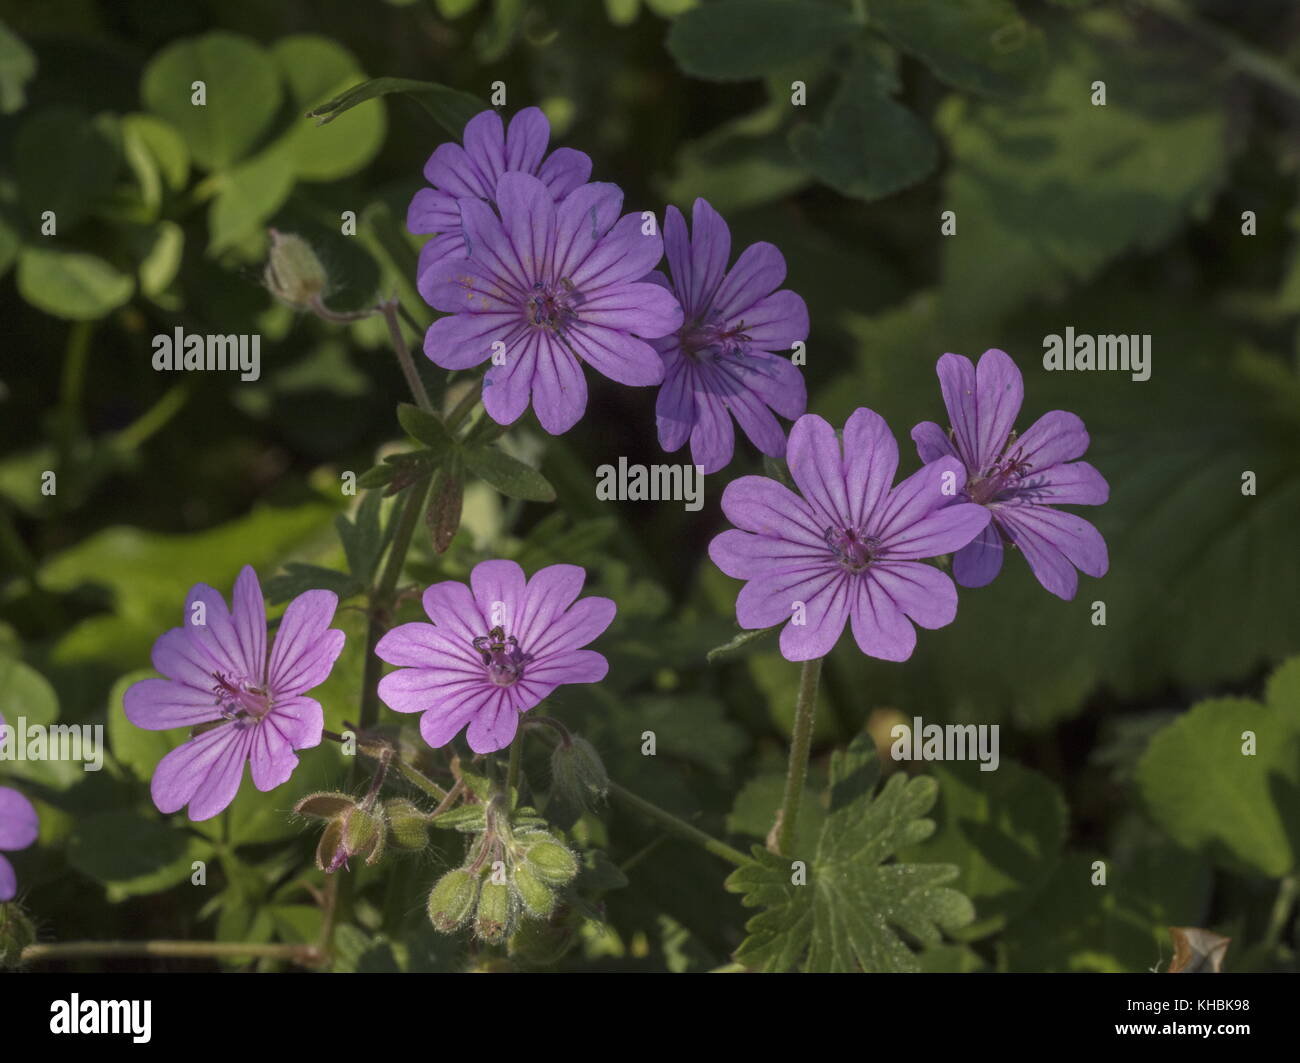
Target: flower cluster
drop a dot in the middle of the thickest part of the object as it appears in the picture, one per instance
(849, 546)
(539, 275)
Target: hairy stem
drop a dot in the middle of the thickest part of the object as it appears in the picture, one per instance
(800, 742)
(390, 311)
(678, 827)
(305, 954)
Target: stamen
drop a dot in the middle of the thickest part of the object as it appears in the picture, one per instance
(853, 549)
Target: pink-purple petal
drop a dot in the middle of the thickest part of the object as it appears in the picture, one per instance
(305, 648)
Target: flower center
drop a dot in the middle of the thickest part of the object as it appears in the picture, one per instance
(853, 548)
(1004, 474)
(553, 306)
(502, 656)
(706, 339)
(241, 699)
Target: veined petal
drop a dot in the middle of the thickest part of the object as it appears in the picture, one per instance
(19, 825)
(825, 614)
(758, 504)
(305, 647)
(978, 562)
(813, 454)
(879, 626)
(999, 392)
(1054, 438)
(1076, 483)
(203, 773)
(758, 272)
(498, 588)
(957, 383)
(921, 591)
(559, 387)
(585, 216)
(617, 355)
(545, 598)
(932, 442)
(161, 704)
(870, 463)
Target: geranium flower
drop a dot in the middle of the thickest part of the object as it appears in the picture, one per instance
(471, 172)
(849, 546)
(545, 287)
(719, 364)
(495, 649)
(1018, 479)
(246, 706)
(18, 830)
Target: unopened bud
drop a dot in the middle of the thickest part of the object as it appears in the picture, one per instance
(408, 827)
(355, 831)
(16, 933)
(498, 909)
(452, 900)
(293, 273)
(578, 773)
(324, 805)
(536, 896)
(551, 862)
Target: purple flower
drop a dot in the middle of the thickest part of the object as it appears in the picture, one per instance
(471, 172)
(718, 365)
(850, 547)
(219, 674)
(18, 829)
(1018, 479)
(547, 286)
(493, 652)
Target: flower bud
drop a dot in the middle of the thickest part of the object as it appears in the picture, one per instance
(536, 896)
(294, 274)
(408, 827)
(578, 773)
(324, 805)
(498, 910)
(16, 933)
(452, 900)
(551, 862)
(356, 831)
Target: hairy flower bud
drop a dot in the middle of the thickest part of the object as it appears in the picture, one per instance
(498, 911)
(16, 933)
(408, 827)
(578, 774)
(535, 894)
(294, 274)
(552, 863)
(354, 831)
(452, 900)
(324, 805)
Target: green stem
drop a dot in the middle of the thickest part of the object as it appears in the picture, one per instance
(800, 742)
(381, 598)
(463, 408)
(678, 827)
(304, 954)
(512, 772)
(1246, 59)
(134, 435)
(390, 311)
(1287, 891)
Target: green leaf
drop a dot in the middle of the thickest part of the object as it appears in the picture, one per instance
(71, 284)
(27, 697)
(133, 856)
(298, 578)
(732, 40)
(508, 475)
(742, 163)
(242, 98)
(162, 261)
(1049, 190)
(450, 108)
(868, 146)
(133, 747)
(148, 574)
(1003, 830)
(314, 68)
(363, 539)
(978, 45)
(446, 497)
(1241, 809)
(848, 915)
(64, 162)
(17, 67)
(249, 195)
(1077, 924)
(424, 427)
(157, 154)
